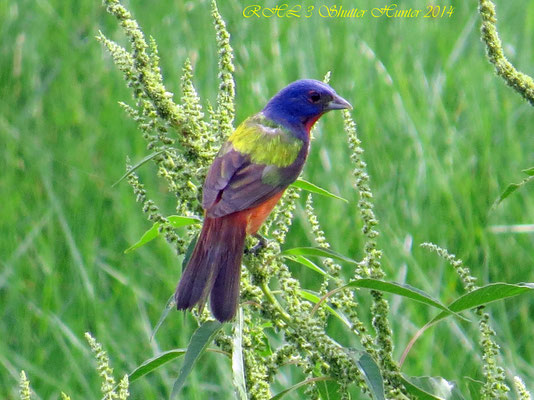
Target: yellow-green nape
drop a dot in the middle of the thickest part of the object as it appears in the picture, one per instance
(266, 142)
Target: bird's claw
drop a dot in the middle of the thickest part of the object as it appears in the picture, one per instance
(254, 250)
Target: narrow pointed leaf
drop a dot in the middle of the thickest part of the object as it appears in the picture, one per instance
(310, 187)
(511, 188)
(139, 164)
(312, 297)
(401, 289)
(419, 393)
(154, 363)
(171, 303)
(238, 367)
(317, 252)
(198, 344)
(168, 307)
(189, 252)
(430, 387)
(371, 374)
(148, 236)
(299, 385)
(175, 220)
(484, 295)
(307, 263)
(178, 221)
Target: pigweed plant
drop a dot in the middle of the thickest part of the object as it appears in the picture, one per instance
(275, 328)
(517, 80)
(109, 388)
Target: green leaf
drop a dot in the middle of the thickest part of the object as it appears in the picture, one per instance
(317, 252)
(198, 344)
(403, 289)
(474, 387)
(263, 348)
(148, 236)
(299, 385)
(238, 367)
(178, 221)
(431, 388)
(511, 188)
(328, 390)
(168, 307)
(189, 251)
(139, 164)
(175, 220)
(484, 295)
(171, 303)
(312, 297)
(310, 187)
(419, 393)
(307, 263)
(371, 374)
(154, 363)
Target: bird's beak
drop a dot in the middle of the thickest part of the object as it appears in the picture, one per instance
(338, 103)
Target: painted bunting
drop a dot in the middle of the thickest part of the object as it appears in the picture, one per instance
(261, 158)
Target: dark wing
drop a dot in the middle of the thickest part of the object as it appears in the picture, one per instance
(225, 165)
(234, 183)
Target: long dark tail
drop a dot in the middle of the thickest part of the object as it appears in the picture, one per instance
(215, 266)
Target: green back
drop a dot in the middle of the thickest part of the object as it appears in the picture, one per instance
(266, 142)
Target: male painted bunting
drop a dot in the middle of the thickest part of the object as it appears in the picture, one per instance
(262, 157)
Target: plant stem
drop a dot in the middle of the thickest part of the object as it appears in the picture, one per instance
(270, 297)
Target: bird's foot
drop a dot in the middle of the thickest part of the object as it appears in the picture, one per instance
(254, 250)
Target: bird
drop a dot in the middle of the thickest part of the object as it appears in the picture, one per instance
(253, 168)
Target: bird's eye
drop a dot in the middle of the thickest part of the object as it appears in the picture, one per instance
(315, 97)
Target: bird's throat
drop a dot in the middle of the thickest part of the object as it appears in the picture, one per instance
(310, 122)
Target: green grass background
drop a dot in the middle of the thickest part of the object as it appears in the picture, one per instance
(443, 136)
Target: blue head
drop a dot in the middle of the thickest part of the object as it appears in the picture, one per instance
(302, 102)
